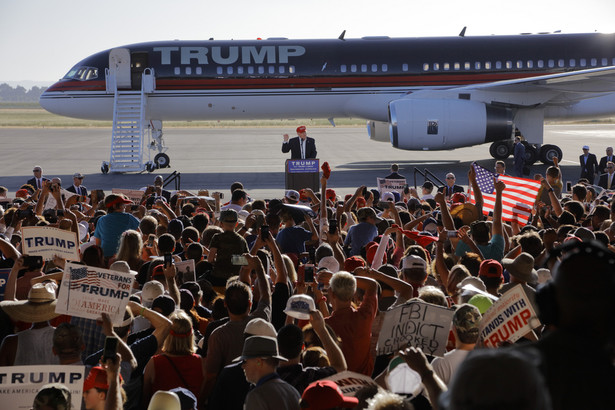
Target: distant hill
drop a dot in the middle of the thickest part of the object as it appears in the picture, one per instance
(20, 93)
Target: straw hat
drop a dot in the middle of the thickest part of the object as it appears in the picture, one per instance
(522, 267)
(468, 213)
(40, 306)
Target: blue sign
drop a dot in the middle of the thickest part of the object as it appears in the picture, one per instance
(303, 165)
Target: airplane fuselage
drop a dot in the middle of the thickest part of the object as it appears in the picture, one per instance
(206, 80)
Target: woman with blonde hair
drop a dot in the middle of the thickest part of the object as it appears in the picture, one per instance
(177, 365)
(130, 249)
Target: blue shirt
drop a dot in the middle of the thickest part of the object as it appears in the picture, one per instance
(360, 235)
(109, 229)
(292, 239)
(493, 250)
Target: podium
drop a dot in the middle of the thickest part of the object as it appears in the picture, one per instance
(302, 173)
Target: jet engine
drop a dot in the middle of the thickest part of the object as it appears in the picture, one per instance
(425, 124)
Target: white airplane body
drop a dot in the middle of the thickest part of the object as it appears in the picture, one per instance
(418, 93)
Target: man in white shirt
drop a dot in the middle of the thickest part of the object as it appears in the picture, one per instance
(466, 321)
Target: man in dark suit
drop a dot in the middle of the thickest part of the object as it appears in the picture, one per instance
(589, 165)
(394, 173)
(607, 180)
(77, 186)
(301, 146)
(519, 157)
(450, 188)
(603, 161)
(37, 181)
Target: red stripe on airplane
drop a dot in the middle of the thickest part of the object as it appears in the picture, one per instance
(306, 82)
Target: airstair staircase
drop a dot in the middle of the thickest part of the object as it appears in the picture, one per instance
(132, 131)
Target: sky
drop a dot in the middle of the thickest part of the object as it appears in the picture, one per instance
(40, 40)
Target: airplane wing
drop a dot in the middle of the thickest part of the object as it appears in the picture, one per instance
(544, 90)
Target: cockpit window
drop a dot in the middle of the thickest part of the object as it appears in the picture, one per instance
(82, 73)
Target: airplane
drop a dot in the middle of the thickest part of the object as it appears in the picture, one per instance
(432, 93)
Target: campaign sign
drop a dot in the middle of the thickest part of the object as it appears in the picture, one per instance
(350, 382)
(390, 185)
(303, 165)
(508, 319)
(185, 271)
(88, 291)
(46, 241)
(417, 324)
(4, 276)
(20, 384)
(134, 195)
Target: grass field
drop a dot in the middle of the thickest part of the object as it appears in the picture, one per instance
(32, 115)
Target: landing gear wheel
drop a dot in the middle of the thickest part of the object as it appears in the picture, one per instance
(104, 168)
(548, 152)
(162, 160)
(531, 153)
(500, 149)
(150, 166)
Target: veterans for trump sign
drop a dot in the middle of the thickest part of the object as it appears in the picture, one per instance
(87, 292)
(47, 242)
(417, 324)
(508, 319)
(20, 384)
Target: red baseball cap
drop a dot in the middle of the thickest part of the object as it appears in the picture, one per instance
(490, 268)
(353, 262)
(330, 194)
(325, 394)
(300, 129)
(96, 378)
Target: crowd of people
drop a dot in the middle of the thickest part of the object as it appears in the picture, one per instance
(288, 292)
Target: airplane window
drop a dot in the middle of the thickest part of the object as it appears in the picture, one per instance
(583, 62)
(82, 73)
(271, 70)
(594, 62)
(188, 70)
(509, 64)
(551, 63)
(250, 69)
(281, 69)
(178, 71)
(446, 66)
(425, 67)
(488, 65)
(343, 68)
(291, 69)
(229, 70)
(239, 70)
(363, 68)
(374, 68)
(457, 66)
(261, 69)
(530, 64)
(605, 62)
(560, 63)
(519, 64)
(220, 70)
(404, 67)
(498, 65)
(199, 70)
(466, 66)
(353, 68)
(385, 68)
(541, 63)
(436, 66)
(477, 65)
(573, 62)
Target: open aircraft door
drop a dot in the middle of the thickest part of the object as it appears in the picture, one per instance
(119, 64)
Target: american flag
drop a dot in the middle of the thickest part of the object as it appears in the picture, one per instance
(517, 199)
(81, 276)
